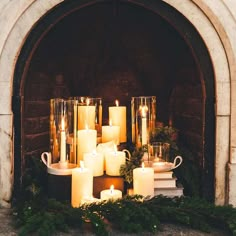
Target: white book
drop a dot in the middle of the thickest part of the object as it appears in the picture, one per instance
(163, 175)
(165, 183)
(169, 192)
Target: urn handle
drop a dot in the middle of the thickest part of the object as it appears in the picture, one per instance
(178, 159)
(48, 160)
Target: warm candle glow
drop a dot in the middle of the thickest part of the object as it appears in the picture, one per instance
(62, 124)
(118, 115)
(143, 181)
(94, 153)
(87, 101)
(143, 166)
(111, 194)
(81, 165)
(112, 189)
(110, 122)
(95, 162)
(115, 149)
(143, 112)
(63, 142)
(117, 103)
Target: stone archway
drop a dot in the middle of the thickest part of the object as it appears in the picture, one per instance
(215, 27)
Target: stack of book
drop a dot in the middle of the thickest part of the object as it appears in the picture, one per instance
(165, 183)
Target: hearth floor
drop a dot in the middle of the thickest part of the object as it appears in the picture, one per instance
(7, 229)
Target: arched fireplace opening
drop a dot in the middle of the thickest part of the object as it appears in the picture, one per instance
(116, 50)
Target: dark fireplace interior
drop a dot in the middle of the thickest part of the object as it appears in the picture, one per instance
(116, 50)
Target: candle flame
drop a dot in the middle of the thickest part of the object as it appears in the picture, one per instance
(94, 152)
(144, 110)
(86, 127)
(87, 101)
(81, 165)
(110, 122)
(115, 148)
(112, 189)
(62, 124)
(117, 103)
(143, 166)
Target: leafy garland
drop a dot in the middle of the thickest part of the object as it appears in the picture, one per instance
(131, 214)
(36, 213)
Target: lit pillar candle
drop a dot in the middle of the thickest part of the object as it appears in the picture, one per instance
(81, 185)
(118, 116)
(111, 133)
(86, 116)
(114, 160)
(63, 142)
(110, 194)
(144, 125)
(87, 141)
(143, 181)
(94, 162)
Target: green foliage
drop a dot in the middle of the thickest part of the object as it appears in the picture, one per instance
(126, 170)
(131, 214)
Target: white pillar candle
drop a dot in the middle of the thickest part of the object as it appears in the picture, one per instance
(113, 161)
(81, 185)
(118, 116)
(86, 116)
(143, 181)
(110, 194)
(111, 133)
(94, 162)
(87, 141)
(62, 142)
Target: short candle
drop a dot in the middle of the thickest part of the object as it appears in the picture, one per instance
(113, 161)
(143, 181)
(95, 162)
(111, 194)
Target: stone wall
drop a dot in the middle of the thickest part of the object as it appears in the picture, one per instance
(216, 23)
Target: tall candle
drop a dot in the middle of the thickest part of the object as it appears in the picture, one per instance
(94, 162)
(86, 116)
(118, 116)
(74, 130)
(110, 194)
(114, 160)
(81, 185)
(111, 133)
(144, 125)
(87, 141)
(143, 181)
(63, 142)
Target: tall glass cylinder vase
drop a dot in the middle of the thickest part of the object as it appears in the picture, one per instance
(58, 130)
(72, 129)
(83, 113)
(143, 119)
